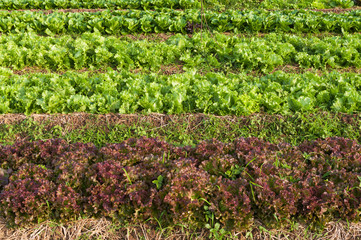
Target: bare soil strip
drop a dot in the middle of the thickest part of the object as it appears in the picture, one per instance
(328, 10)
(162, 37)
(77, 120)
(95, 228)
(331, 10)
(164, 70)
(46, 11)
(336, 10)
(178, 69)
(295, 68)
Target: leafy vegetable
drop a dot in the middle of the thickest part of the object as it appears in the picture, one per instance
(316, 181)
(168, 20)
(124, 92)
(91, 50)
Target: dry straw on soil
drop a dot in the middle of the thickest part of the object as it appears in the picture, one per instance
(77, 120)
(104, 229)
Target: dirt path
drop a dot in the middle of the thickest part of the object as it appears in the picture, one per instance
(331, 10)
(178, 69)
(76, 10)
(76, 120)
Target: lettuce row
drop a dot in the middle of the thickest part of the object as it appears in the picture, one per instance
(136, 21)
(146, 179)
(91, 50)
(104, 4)
(280, 4)
(214, 93)
(174, 4)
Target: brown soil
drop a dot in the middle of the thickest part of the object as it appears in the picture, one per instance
(75, 10)
(172, 69)
(288, 68)
(77, 120)
(61, 10)
(27, 70)
(331, 10)
(295, 68)
(336, 10)
(164, 70)
(318, 35)
(31, 70)
(95, 228)
(162, 37)
(157, 37)
(177, 68)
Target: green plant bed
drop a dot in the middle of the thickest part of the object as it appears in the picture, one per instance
(103, 4)
(176, 4)
(166, 20)
(213, 93)
(186, 53)
(279, 4)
